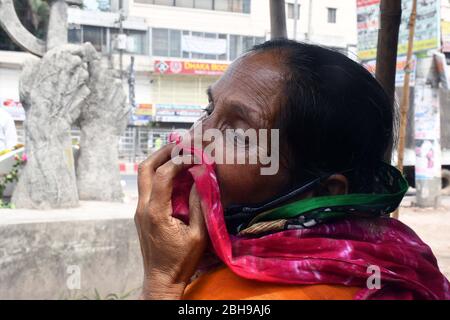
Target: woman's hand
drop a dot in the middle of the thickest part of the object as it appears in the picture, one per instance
(171, 249)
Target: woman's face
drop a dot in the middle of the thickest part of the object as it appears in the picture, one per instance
(247, 96)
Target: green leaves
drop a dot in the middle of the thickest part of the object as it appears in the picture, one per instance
(10, 177)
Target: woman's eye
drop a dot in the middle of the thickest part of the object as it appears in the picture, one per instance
(209, 109)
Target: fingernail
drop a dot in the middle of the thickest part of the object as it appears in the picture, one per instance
(174, 137)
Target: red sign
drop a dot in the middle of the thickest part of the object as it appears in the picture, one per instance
(363, 3)
(190, 67)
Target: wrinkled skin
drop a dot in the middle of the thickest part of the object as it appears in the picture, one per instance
(247, 96)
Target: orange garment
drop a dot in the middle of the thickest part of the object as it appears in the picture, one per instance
(223, 284)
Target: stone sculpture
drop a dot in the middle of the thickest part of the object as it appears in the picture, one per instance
(52, 91)
(103, 118)
(67, 86)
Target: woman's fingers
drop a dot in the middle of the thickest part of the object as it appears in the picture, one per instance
(147, 169)
(196, 218)
(162, 184)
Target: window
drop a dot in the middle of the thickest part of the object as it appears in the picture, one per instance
(175, 43)
(97, 5)
(291, 13)
(200, 45)
(332, 15)
(236, 5)
(196, 55)
(163, 2)
(235, 46)
(240, 44)
(259, 40)
(203, 4)
(160, 42)
(241, 6)
(212, 36)
(246, 6)
(96, 36)
(248, 43)
(74, 34)
(223, 56)
(184, 3)
(186, 54)
(221, 5)
(136, 41)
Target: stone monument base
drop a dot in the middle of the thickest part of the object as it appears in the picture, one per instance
(43, 252)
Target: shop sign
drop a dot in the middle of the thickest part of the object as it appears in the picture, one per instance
(427, 34)
(142, 114)
(445, 27)
(427, 132)
(400, 70)
(190, 67)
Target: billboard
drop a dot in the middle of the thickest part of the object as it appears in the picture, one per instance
(427, 35)
(190, 67)
(400, 70)
(427, 132)
(142, 115)
(445, 36)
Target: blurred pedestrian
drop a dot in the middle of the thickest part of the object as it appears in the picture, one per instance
(8, 133)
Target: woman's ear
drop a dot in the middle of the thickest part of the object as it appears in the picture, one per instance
(335, 185)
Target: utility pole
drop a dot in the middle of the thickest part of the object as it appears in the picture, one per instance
(131, 84)
(278, 19)
(121, 18)
(296, 17)
(121, 38)
(390, 19)
(404, 107)
(310, 14)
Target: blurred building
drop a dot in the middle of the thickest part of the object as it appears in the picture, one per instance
(181, 47)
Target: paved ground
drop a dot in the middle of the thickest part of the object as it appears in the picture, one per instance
(433, 226)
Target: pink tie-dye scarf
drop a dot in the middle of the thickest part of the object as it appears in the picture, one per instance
(336, 253)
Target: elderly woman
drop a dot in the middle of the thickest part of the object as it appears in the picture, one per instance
(318, 228)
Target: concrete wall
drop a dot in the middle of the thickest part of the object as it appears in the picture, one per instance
(341, 34)
(257, 23)
(39, 252)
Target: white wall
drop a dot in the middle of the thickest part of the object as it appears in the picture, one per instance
(9, 84)
(445, 10)
(143, 90)
(182, 89)
(257, 23)
(341, 34)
